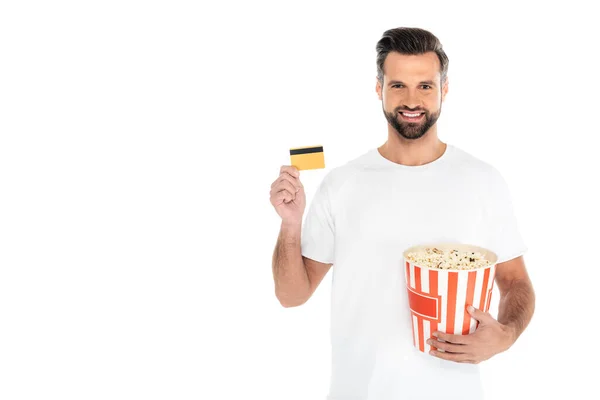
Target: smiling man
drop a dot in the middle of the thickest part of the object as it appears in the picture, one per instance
(412, 123)
(413, 189)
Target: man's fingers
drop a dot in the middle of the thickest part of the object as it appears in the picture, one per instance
(281, 197)
(460, 357)
(293, 171)
(285, 185)
(479, 315)
(456, 339)
(287, 177)
(453, 348)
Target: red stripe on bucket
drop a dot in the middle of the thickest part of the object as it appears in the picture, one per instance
(433, 290)
(419, 320)
(421, 338)
(469, 301)
(452, 284)
(486, 276)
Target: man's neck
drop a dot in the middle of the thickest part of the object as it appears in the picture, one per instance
(421, 151)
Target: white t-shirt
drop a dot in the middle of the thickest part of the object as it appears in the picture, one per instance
(362, 217)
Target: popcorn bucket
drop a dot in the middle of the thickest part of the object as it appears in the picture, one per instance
(438, 298)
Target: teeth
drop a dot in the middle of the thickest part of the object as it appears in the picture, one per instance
(411, 115)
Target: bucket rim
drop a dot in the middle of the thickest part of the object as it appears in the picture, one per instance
(487, 253)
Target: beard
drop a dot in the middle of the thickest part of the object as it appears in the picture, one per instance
(411, 130)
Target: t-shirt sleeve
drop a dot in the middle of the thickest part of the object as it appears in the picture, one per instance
(318, 231)
(505, 237)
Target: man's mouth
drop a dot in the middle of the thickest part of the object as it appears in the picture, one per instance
(412, 117)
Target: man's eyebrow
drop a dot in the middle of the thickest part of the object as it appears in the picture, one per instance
(420, 83)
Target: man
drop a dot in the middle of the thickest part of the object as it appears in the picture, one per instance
(413, 189)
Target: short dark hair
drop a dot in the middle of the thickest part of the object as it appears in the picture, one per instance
(410, 41)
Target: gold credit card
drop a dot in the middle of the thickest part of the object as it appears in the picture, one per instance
(307, 157)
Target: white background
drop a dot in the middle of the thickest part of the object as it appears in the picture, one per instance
(138, 142)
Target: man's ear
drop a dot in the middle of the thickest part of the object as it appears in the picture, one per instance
(445, 89)
(378, 88)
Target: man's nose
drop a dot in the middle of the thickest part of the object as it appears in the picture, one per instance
(412, 100)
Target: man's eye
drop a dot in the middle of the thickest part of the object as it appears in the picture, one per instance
(395, 86)
(426, 87)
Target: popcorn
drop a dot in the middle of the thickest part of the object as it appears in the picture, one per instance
(433, 257)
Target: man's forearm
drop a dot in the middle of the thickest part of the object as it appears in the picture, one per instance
(292, 285)
(516, 306)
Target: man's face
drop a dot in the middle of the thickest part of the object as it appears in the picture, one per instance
(411, 85)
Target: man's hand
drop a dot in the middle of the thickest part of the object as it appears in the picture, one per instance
(490, 338)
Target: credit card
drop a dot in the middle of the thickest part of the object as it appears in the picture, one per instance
(311, 157)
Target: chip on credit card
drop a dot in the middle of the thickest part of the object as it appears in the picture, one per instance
(311, 157)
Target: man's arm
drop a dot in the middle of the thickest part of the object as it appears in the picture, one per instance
(296, 277)
(515, 310)
(517, 297)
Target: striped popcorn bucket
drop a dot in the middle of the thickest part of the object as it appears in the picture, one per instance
(438, 298)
